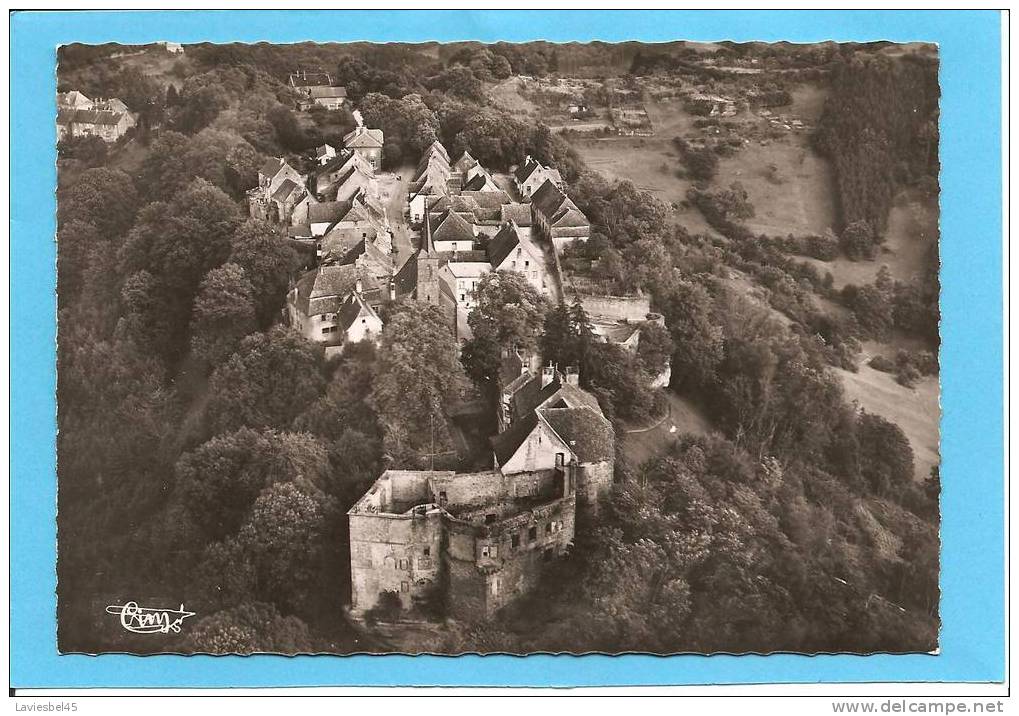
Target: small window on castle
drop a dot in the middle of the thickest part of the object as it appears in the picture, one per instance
(548, 528)
(427, 551)
(489, 519)
(486, 551)
(403, 564)
(442, 498)
(532, 534)
(515, 541)
(494, 551)
(404, 587)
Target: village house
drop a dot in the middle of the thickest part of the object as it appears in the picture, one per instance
(79, 116)
(339, 224)
(367, 143)
(462, 278)
(343, 171)
(325, 153)
(335, 305)
(280, 193)
(557, 217)
(546, 421)
(530, 175)
(329, 97)
(174, 48)
(512, 249)
(315, 87)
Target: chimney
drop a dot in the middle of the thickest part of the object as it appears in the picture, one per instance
(392, 289)
(547, 375)
(357, 285)
(572, 375)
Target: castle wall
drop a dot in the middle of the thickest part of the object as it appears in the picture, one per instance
(395, 553)
(594, 483)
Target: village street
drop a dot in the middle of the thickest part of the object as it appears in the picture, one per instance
(393, 188)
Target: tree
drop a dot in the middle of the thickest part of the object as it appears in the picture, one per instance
(508, 314)
(103, 197)
(418, 378)
(75, 239)
(220, 479)
(271, 378)
(566, 334)
(654, 349)
(268, 262)
(250, 628)
(886, 458)
(858, 241)
(224, 312)
(282, 540)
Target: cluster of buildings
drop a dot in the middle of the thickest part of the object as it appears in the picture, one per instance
(79, 116)
(471, 225)
(315, 89)
(336, 212)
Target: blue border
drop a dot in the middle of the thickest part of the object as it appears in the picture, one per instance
(972, 640)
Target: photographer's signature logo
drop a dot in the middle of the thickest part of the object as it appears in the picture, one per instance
(143, 620)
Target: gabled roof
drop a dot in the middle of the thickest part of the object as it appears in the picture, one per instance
(556, 394)
(519, 214)
(502, 244)
(406, 278)
(327, 212)
(569, 216)
(322, 290)
(272, 166)
(506, 443)
(465, 162)
(319, 92)
(363, 138)
(89, 116)
(525, 170)
(588, 433)
(437, 148)
(548, 198)
(73, 99)
(468, 269)
(326, 150)
(481, 181)
(487, 199)
(285, 189)
(557, 207)
(353, 307)
(450, 226)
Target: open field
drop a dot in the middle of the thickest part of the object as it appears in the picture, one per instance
(789, 185)
(649, 162)
(912, 228)
(916, 410)
(684, 417)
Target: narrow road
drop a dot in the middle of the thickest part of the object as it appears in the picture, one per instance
(393, 187)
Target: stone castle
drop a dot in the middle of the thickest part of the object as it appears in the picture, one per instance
(467, 544)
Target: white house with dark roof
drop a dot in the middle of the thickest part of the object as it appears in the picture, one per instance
(79, 116)
(547, 421)
(366, 142)
(531, 174)
(512, 249)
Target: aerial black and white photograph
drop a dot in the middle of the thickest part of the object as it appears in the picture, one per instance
(498, 348)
